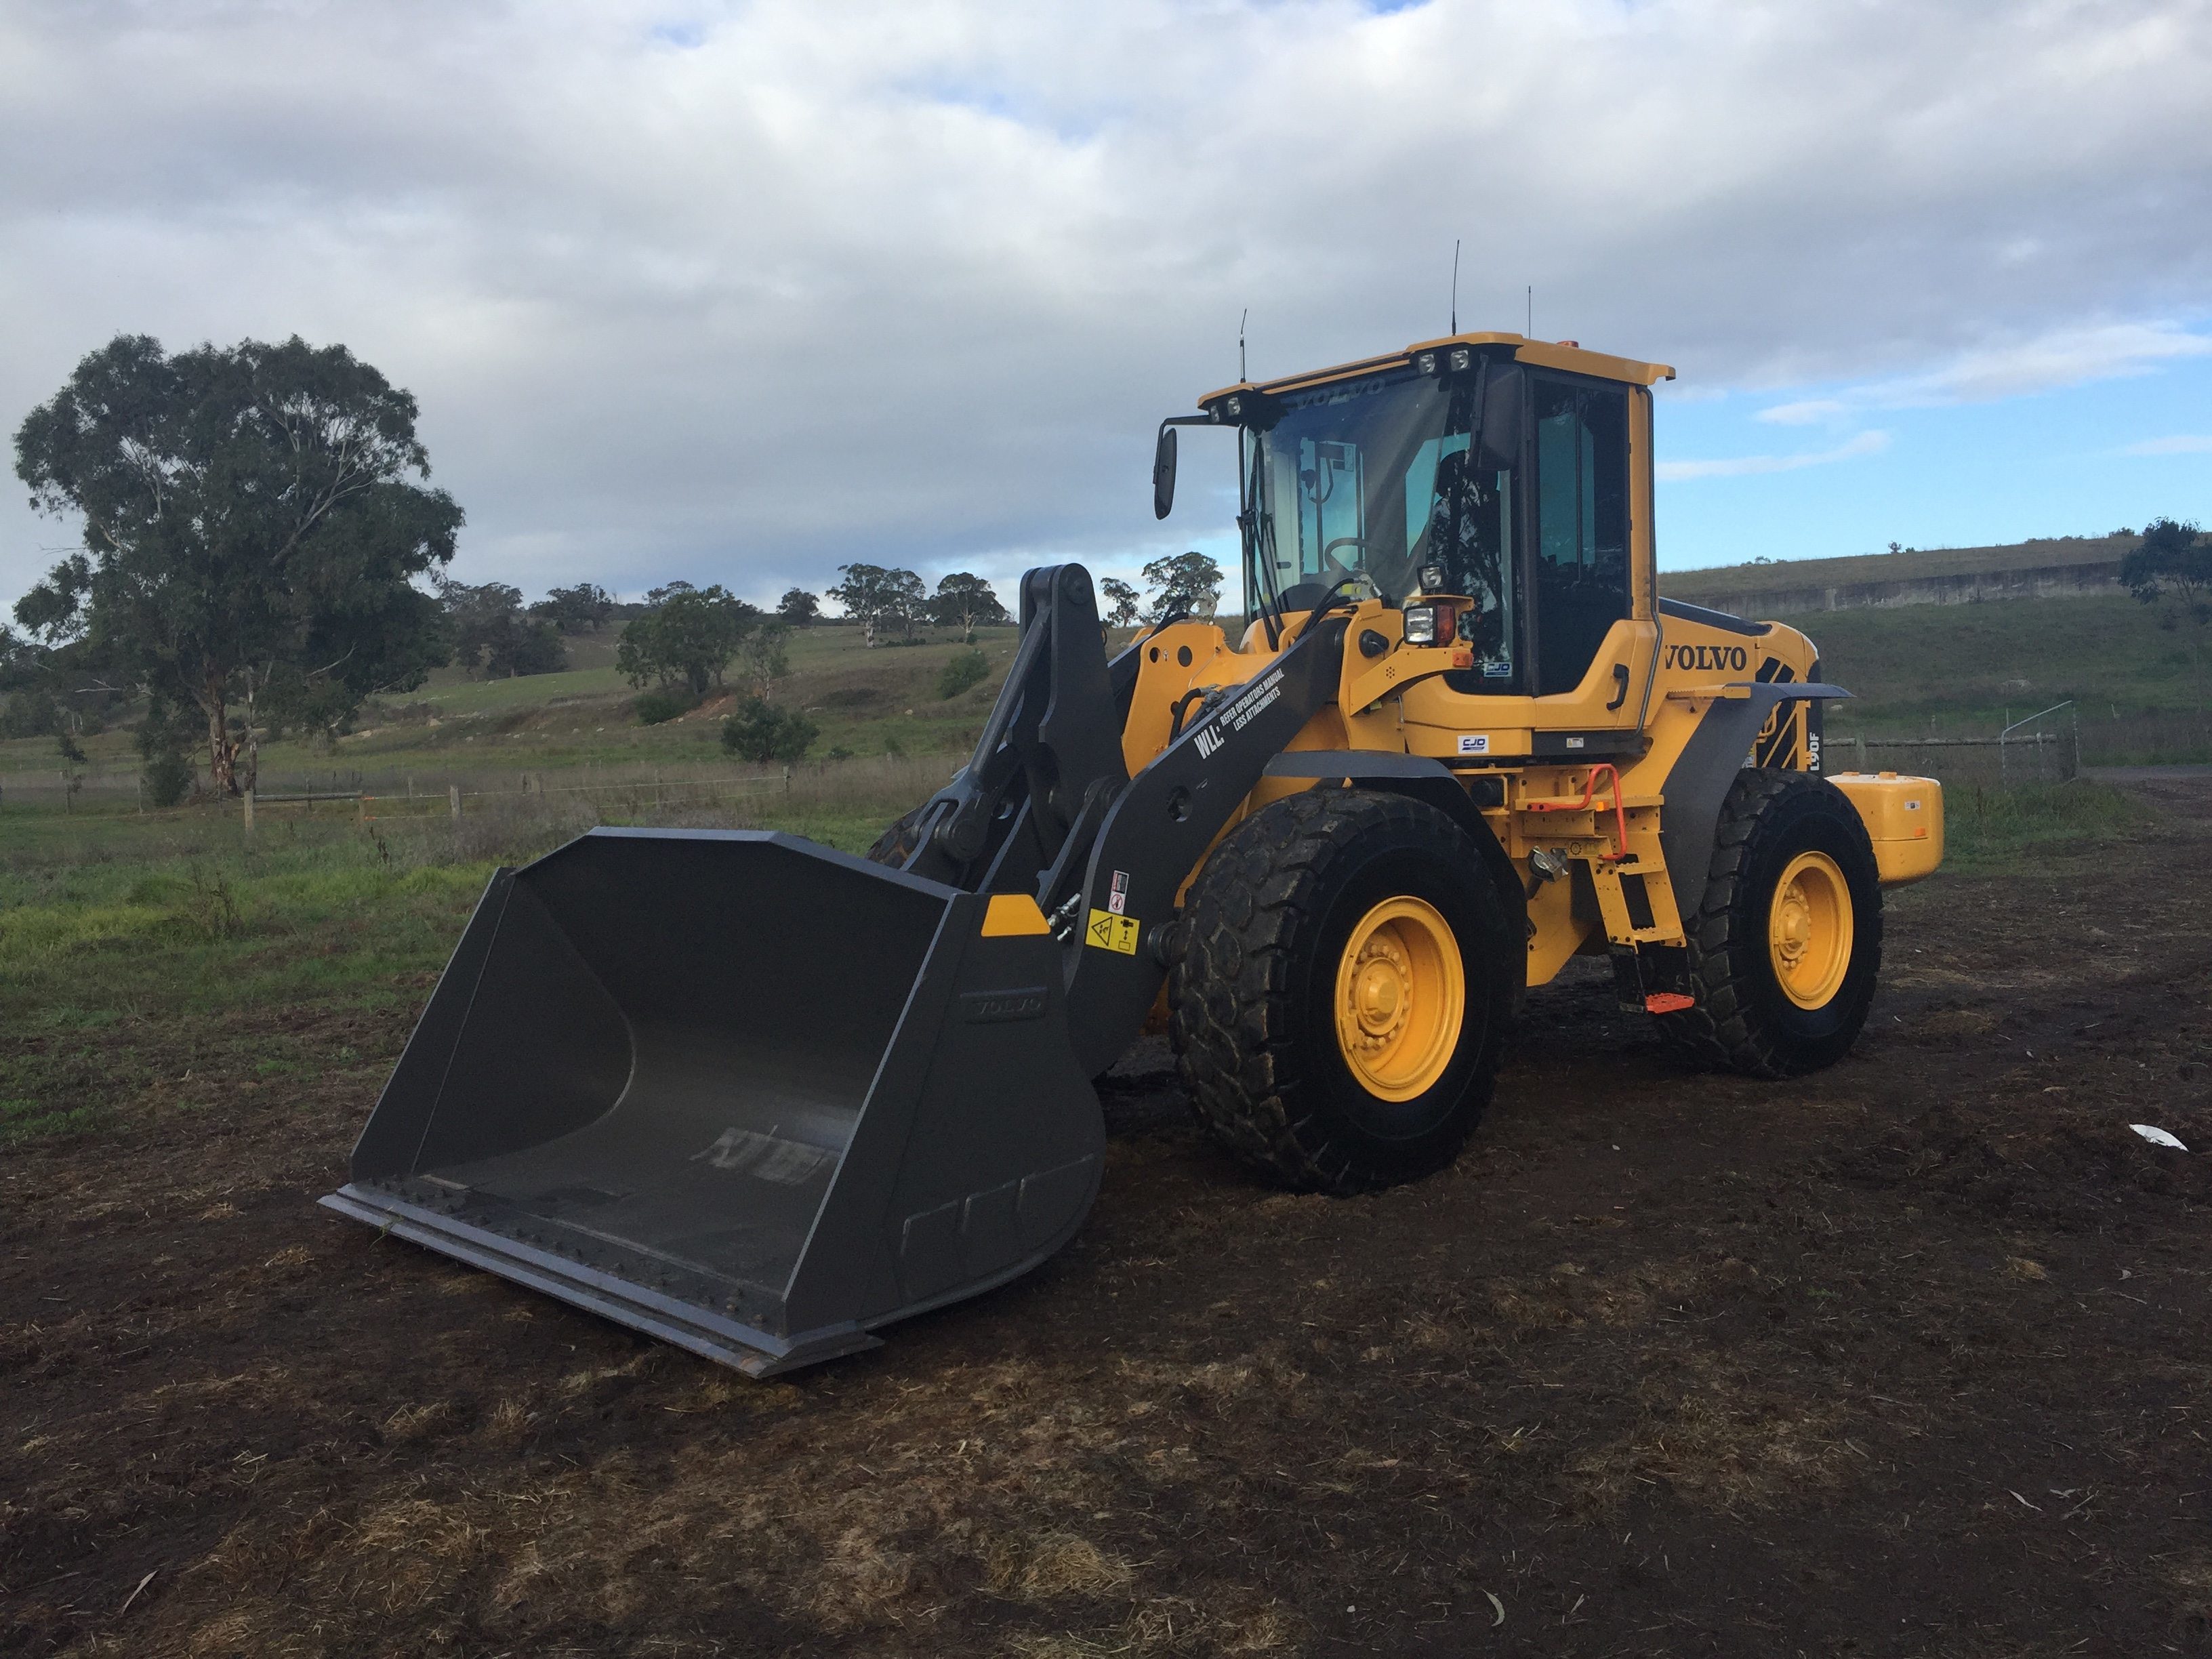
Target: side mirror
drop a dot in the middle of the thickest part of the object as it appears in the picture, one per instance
(1164, 471)
(1498, 442)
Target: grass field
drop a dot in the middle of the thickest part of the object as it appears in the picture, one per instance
(869, 702)
(2142, 694)
(1713, 585)
(1966, 670)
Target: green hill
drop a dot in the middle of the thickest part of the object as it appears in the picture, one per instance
(1968, 670)
(1717, 584)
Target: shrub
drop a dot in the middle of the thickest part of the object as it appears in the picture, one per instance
(654, 707)
(962, 669)
(760, 731)
(168, 779)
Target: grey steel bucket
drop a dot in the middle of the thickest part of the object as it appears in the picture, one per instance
(749, 1095)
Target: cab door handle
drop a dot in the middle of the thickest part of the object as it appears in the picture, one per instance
(1620, 687)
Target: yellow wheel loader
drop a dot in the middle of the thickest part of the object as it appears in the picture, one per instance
(761, 1098)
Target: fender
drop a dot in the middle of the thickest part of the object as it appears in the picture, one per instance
(1699, 780)
(1421, 778)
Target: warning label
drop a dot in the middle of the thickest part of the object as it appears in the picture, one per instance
(1111, 932)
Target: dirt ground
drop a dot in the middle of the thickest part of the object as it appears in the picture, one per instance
(1911, 1358)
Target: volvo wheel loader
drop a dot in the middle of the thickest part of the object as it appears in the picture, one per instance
(761, 1099)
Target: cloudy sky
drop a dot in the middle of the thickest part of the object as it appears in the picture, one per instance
(740, 292)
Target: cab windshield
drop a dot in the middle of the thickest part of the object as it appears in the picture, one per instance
(1373, 479)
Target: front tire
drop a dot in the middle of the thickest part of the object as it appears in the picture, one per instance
(1344, 990)
(1786, 946)
(899, 839)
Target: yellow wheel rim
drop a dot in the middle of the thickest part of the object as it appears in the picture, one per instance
(1809, 930)
(1401, 999)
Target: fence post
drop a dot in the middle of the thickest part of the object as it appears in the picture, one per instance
(453, 796)
(247, 798)
(787, 779)
(1861, 741)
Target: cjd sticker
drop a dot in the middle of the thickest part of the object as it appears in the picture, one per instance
(1475, 743)
(1111, 932)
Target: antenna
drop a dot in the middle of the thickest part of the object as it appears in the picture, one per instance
(1529, 328)
(1241, 374)
(1455, 325)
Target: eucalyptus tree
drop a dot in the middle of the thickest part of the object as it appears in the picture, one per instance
(254, 519)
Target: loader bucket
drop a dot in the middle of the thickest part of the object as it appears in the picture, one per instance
(747, 1094)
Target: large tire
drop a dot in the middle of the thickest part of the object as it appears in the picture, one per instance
(896, 844)
(1311, 1005)
(1786, 946)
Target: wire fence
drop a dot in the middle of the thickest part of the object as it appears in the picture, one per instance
(2045, 748)
(398, 789)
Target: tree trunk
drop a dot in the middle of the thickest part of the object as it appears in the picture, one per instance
(967, 629)
(222, 751)
(868, 630)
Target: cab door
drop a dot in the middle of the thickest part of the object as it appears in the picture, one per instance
(1588, 559)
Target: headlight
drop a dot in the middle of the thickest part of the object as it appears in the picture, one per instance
(1420, 624)
(1461, 357)
(1426, 363)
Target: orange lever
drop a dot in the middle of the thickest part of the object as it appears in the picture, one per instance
(1590, 792)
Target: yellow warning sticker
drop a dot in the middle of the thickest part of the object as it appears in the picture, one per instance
(1111, 932)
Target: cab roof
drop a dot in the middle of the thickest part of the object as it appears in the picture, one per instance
(1567, 354)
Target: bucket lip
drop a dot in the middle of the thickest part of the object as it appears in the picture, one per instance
(701, 1329)
(780, 838)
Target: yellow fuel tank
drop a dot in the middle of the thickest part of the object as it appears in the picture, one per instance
(1904, 818)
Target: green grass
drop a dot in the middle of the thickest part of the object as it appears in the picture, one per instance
(168, 963)
(1990, 830)
(1968, 670)
(1716, 583)
(865, 702)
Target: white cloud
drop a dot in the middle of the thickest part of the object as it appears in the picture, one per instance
(739, 291)
(1807, 413)
(2048, 362)
(1739, 467)
(1989, 373)
(2181, 444)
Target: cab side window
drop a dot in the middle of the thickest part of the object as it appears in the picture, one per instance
(1582, 526)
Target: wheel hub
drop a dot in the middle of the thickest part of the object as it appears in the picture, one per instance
(1401, 999)
(1384, 980)
(1810, 929)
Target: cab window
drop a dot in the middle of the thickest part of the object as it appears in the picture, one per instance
(1581, 529)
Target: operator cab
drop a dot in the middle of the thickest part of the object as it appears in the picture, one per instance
(1487, 468)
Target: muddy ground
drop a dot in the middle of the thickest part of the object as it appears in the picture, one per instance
(1911, 1358)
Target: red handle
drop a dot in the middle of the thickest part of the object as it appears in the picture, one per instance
(1590, 792)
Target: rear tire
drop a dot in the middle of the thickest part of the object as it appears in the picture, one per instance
(1343, 991)
(1786, 946)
